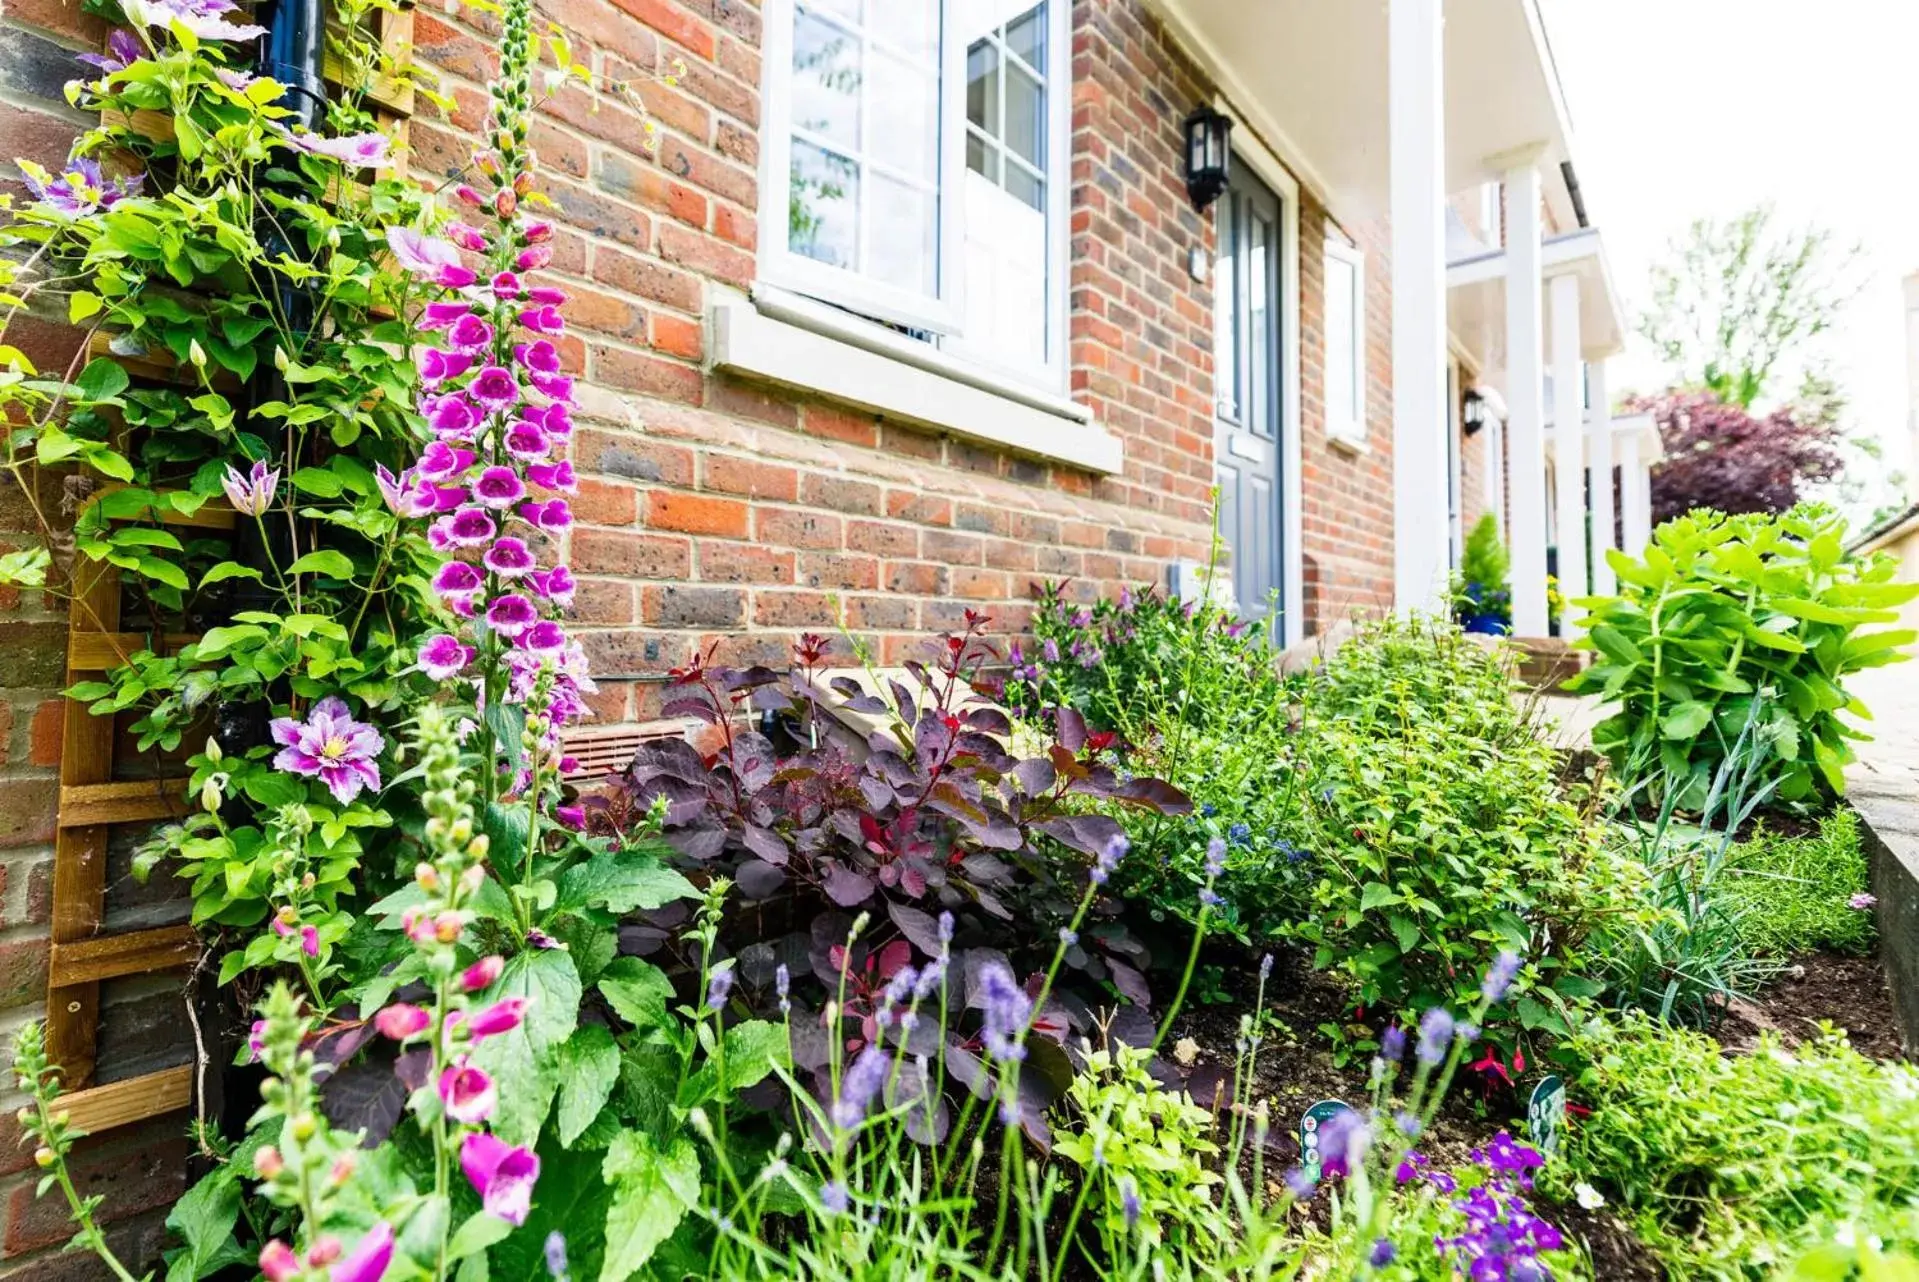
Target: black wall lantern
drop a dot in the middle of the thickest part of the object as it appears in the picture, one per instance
(1473, 411)
(1208, 154)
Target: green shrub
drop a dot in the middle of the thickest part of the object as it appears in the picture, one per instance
(1728, 1165)
(1791, 895)
(1722, 609)
(1482, 591)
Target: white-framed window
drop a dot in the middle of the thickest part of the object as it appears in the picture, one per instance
(1345, 355)
(914, 170)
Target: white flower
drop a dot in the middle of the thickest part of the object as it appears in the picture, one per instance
(1588, 1197)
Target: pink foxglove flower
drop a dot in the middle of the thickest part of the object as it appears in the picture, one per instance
(457, 582)
(470, 334)
(442, 315)
(310, 940)
(494, 388)
(552, 516)
(468, 238)
(527, 442)
(330, 746)
(442, 657)
(403, 1020)
(501, 1174)
(482, 973)
(540, 358)
(509, 558)
(467, 1092)
(440, 461)
(534, 257)
(453, 418)
(470, 527)
(252, 493)
(544, 637)
(369, 1259)
(499, 487)
(543, 320)
(546, 296)
(556, 585)
(437, 366)
(278, 1263)
(502, 1016)
(554, 476)
(506, 287)
(510, 615)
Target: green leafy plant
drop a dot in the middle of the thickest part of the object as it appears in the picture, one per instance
(1729, 1165)
(1721, 611)
(1792, 895)
(1482, 587)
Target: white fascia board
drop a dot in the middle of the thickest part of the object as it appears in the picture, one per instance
(805, 359)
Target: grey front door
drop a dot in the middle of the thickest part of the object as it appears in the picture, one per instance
(1249, 396)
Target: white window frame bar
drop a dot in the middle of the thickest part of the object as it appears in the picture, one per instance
(1351, 432)
(780, 265)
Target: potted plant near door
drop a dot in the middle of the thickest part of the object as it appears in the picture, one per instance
(1482, 593)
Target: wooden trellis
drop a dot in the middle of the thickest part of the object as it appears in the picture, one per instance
(92, 802)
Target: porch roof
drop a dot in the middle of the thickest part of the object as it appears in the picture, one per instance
(1310, 76)
(1476, 299)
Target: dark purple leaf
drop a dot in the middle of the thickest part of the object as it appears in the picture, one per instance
(365, 1096)
(987, 870)
(1155, 794)
(1131, 984)
(758, 879)
(765, 844)
(1035, 776)
(701, 841)
(847, 888)
(697, 706)
(1072, 729)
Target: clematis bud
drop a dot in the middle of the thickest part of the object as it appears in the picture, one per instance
(210, 796)
(214, 753)
(197, 354)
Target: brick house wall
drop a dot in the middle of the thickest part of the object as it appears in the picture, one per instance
(715, 511)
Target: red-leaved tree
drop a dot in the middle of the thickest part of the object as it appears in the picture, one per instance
(1721, 456)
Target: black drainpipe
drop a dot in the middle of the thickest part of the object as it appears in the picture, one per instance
(292, 52)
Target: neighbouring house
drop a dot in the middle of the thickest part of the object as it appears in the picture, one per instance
(1899, 534)
(915, 306)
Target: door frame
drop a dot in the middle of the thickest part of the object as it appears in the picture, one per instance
(1267, 167)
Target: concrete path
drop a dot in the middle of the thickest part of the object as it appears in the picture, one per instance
(1883, 786)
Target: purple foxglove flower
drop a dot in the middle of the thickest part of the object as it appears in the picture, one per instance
(202, 20)
(544, 637)
(470, 334)
(545, 319)
(442, 657)
(537, 232)
(470, 527)
(457, 582)
(499, 487)
(534, 257)
(310, 941)
(510, 615)
(554, 476)
(506, 286)
(494, 388)
(860, 1087)
(552, 516)
(123, 50)
(546, 296)
(538, 358)
(503, 1176)
(1500, 976)
(355, 151)
(454, 417)
(436, 366)
(527, 442)
(257, 1038)
(509, 558)
(1007, 1011)
(330, 746)
(502, 1016)
(482, 973)
(442, 315)
(1435, 1035)
(467, 1092)
(556, 585)
(251, 494)
(557, 386)
(80, 189)
(440, 461)
(424, 255)
(369, 1258)
(402, 1020)
(468, 238)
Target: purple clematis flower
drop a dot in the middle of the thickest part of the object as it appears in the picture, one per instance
(356, 151)
(406, 495)
(123, 50)
(503, 1175)
(442, 657)
(199, 17)
(429, 257)
(78, 190)
(330, 746)
(251, 493)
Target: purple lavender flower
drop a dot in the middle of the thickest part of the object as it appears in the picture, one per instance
(1007, 1011)
(1435, 1035)
(1343, 1142)
(1215, 857)
(1392, 1044)
(1300, 1182)
(833, 1197)
(330, 746)
(1050, 649)
(1507, 1156)
(1108, 858)
(945, 929)
(1265, 968)
(1129, 1203)
(1382, 1254)
(556, 1256)
(1068, 936)
(1499, 978)
(718, 987)
(782, 984)
(860, 1086)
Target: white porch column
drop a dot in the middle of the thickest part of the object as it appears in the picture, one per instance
(1525, 442)
(1494, 434)
(1635, 486)
(1569, 444)
(1599, 451)
(1416, 102)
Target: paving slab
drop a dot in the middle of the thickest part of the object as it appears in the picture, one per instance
(1883, 786)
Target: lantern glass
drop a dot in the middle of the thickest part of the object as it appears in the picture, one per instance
(1206, 154)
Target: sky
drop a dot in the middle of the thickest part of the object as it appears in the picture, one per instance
(1703, 108)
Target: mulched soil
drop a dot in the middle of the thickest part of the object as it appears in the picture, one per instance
(1849, 992)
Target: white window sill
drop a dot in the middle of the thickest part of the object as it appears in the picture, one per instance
(785, 339)
(1347, 443)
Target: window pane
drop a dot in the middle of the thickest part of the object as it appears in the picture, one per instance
(1342, 368)
(982, 87)
(1025, 115)
(1259, 365)
(901, 235)
(1226, 312)
(981, 156)
(822, 213)
(1026, 37)
(903, 118)
(912, 26)
(826, 80)
(847, 9)
(1024, 186)
(1006, 270)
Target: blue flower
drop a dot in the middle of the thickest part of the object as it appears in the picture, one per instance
(1240, 834)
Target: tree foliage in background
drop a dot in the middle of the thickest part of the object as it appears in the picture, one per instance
(1739, 296)
(1721, 455)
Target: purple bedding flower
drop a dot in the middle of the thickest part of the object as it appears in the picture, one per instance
(330, 746)
(1007, 1011)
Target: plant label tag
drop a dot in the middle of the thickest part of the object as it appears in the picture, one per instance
(1546, 1114)
(1310, 1126)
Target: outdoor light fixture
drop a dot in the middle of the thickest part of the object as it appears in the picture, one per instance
(1472, 411)
(1207, 154)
